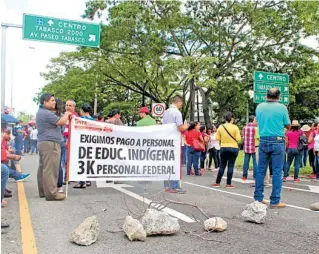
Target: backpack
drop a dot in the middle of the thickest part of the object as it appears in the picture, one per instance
(15, 131)
(303, 141)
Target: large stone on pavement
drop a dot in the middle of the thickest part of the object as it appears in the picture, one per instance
(315, 206)
(255, 212)
(134, 229)
(159, 223)
(215, 224)
(87, 232)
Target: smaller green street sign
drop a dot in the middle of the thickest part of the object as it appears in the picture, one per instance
(40, 28)
(262, 97)
(260, 87)
(270, 77)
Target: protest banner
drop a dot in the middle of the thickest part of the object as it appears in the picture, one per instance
(102, 151)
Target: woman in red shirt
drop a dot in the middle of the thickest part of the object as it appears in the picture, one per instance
(292, 141)
(193, 155)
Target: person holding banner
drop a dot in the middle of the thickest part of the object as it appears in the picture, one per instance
(49, 138)
(86, 113)
(173, 115)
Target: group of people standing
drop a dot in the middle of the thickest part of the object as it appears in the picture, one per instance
(270, 140)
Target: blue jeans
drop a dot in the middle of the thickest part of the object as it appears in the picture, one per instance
(14, 174)
(228, 157)
(293, 154)
(173, 184)
(192, 159)
(304, 157)
(270, 148)
(26, 145)
(61, 177)
(18, 146)
(34, 146)
(246, 164)
(184, 151)
(4, 179)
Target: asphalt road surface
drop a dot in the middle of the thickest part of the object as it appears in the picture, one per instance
(39, 226)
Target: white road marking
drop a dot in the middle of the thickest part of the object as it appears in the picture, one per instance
(104, 184)
(119, 187)
(312, 189)
(241, 195)
(170, 211)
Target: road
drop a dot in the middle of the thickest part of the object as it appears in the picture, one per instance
(46, 226)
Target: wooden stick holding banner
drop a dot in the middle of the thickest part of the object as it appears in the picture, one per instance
(68, 160)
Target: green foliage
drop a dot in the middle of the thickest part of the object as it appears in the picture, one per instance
(151, 50)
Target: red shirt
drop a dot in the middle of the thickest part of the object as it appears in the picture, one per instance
(191, 135)
(293, 138)
(4, 144)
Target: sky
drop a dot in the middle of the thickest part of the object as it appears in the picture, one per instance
(25, 60)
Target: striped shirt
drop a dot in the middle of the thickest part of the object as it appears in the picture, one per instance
(249, 138)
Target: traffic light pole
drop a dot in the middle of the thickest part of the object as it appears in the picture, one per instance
(4, 27)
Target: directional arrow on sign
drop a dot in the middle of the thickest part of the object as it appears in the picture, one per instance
(286, 89)
(260, 76)
(50, 22)
(92, 37)
(285, 99)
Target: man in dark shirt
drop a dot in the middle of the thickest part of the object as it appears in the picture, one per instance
(49, 138)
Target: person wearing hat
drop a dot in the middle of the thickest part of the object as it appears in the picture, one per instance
(305, 129)
(146, 119)
(294, 152)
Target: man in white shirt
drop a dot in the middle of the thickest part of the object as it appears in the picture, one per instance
(34, 140)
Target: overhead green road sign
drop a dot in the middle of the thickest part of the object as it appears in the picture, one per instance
(262, 97)
(270, 77)
(263, 81)
(264, 87)
(39, 28)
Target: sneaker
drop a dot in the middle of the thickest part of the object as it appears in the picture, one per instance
(312, 176)
(280, 205)
(230, 186)
(22, 177)
(244, 178)
(297, 180)
(166, 189)
(4, 225)
(264, 202)
(284, 179)
(178, 191)
(289, 178)
(60, 190)
(58, 197)
(215, 185)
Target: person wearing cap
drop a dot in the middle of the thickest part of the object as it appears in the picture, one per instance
(304, 156)
(272, 118)
(146, 119)
(294, 153)
(49, 139)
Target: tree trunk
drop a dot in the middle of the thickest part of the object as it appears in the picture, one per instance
(192, 99)
(205, 104)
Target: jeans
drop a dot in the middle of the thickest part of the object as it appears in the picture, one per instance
(34, 146)
(192, 159)
(173, 184)
(214, 155)
(26, 145)
(18, 146)
(228, 156)
(246, 164)
(202, 159)
(312, 160)
(317, 164)
(293, 154)
(61, 177)
(270, 148)
(184, 151)
(304, 155)
(4, 179)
